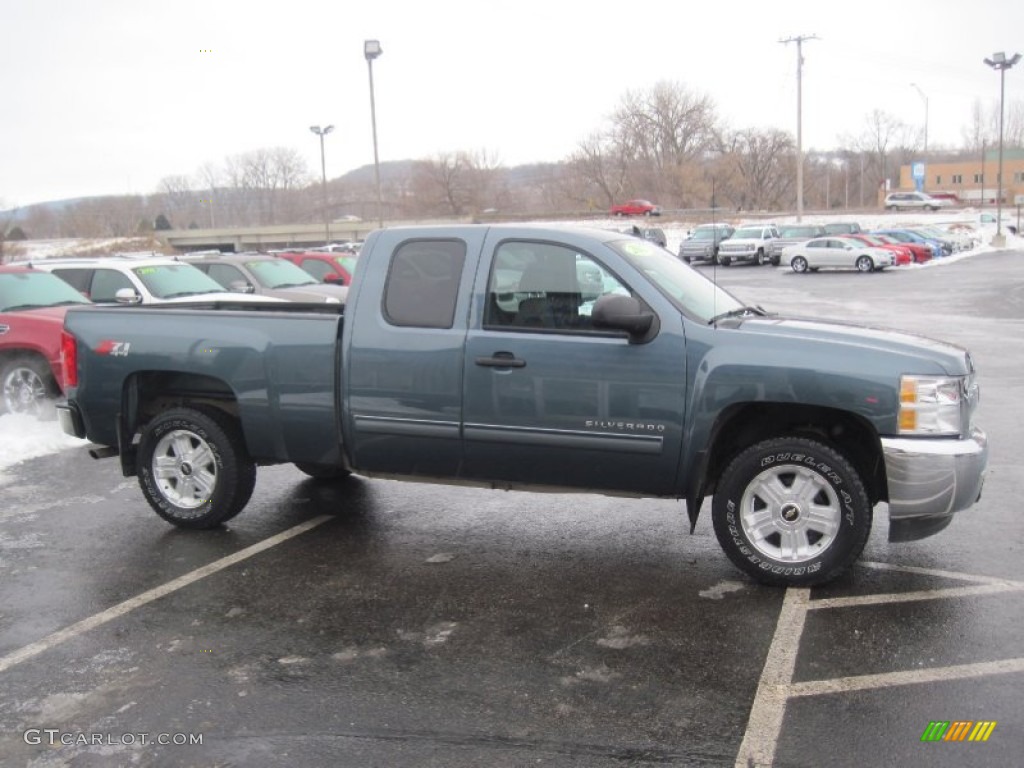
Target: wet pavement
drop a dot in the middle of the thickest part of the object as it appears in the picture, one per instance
(377, 623)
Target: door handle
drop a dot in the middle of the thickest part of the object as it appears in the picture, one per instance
(501, 360)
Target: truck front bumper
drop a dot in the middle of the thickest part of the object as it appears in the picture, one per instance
(930, 480)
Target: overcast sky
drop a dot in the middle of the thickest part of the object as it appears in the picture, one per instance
(109, 96)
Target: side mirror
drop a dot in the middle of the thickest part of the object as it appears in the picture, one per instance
(240, 286)
(333, 277)
(127, 296)
(621, 313)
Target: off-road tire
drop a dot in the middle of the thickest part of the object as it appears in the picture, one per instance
(791, 512)
(205, 476)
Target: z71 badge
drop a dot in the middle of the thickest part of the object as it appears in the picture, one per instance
(113, 348)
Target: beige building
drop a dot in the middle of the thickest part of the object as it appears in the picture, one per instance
(973, 181)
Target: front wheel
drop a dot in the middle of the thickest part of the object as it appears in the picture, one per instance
(799, 264)
(763, 258)
(791, 512)
(725, 261)
(865, 264)
(193, 467)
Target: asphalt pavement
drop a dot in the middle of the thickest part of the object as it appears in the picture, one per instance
(379, 623)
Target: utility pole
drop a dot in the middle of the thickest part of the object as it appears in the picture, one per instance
(799, 40)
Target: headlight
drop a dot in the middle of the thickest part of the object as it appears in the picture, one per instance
(331, 300)
(936, 405)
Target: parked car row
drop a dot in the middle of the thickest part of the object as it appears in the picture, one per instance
(766, 243)
(35, 295)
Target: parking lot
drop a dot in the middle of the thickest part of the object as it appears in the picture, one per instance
(377, 623)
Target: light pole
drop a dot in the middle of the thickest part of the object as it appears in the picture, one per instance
(799, 40)
(321, 132)
(1001, 63)
(917, 88)
(371, 50)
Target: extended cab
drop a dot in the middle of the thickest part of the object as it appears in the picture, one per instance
(529, 357)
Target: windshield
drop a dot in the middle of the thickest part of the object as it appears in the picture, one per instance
(348, 263)
(167, 281)
(798, 232)
(751, 232)
(692, 293)
(703, 234)
(279, 273)
(31, 290)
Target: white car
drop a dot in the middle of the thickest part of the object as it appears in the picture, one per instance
(836, 252)
(915, 201)
(141, 280)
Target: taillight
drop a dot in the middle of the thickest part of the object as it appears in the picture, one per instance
(68, 360)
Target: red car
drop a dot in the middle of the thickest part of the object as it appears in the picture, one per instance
(32, 308)
(920, 251)
(336, 268)
(636, 208)
(900, 252)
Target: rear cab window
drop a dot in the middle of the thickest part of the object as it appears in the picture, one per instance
(422, 286)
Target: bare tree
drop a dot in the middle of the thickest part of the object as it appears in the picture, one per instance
(762, 160)
(443, 181)
(883, 135)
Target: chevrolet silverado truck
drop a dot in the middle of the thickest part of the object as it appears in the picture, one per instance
(541, 358)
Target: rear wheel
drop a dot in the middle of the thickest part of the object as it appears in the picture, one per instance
(799, 264)
(193, 467)
(791, 512)
(26, 386)
(865, 264)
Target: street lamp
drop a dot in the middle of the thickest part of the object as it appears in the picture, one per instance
(321, 132)
(371, 50)
(917, 88)
(1001, 63)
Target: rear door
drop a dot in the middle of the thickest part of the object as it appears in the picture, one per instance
(405, 333)
(549, 399)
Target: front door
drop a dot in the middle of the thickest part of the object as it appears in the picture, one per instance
(549, 399)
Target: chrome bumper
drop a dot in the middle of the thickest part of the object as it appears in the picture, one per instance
(930, 479)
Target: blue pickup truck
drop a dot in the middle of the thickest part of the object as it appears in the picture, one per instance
(537, 358)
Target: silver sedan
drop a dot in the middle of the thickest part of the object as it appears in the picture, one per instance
(840, 252)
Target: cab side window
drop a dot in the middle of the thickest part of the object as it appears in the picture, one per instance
(106, 283)
(225, 274)
(423, 283)
(541, 286)
(317, 269)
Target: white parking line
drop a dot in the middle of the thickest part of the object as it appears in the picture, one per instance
(96, 620)
(908, 677)
(765, 723)
(776, 685)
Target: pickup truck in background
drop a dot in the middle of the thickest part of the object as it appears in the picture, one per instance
(536, 358)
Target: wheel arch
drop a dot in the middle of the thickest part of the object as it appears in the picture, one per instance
(147, 393)
(744, 424)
